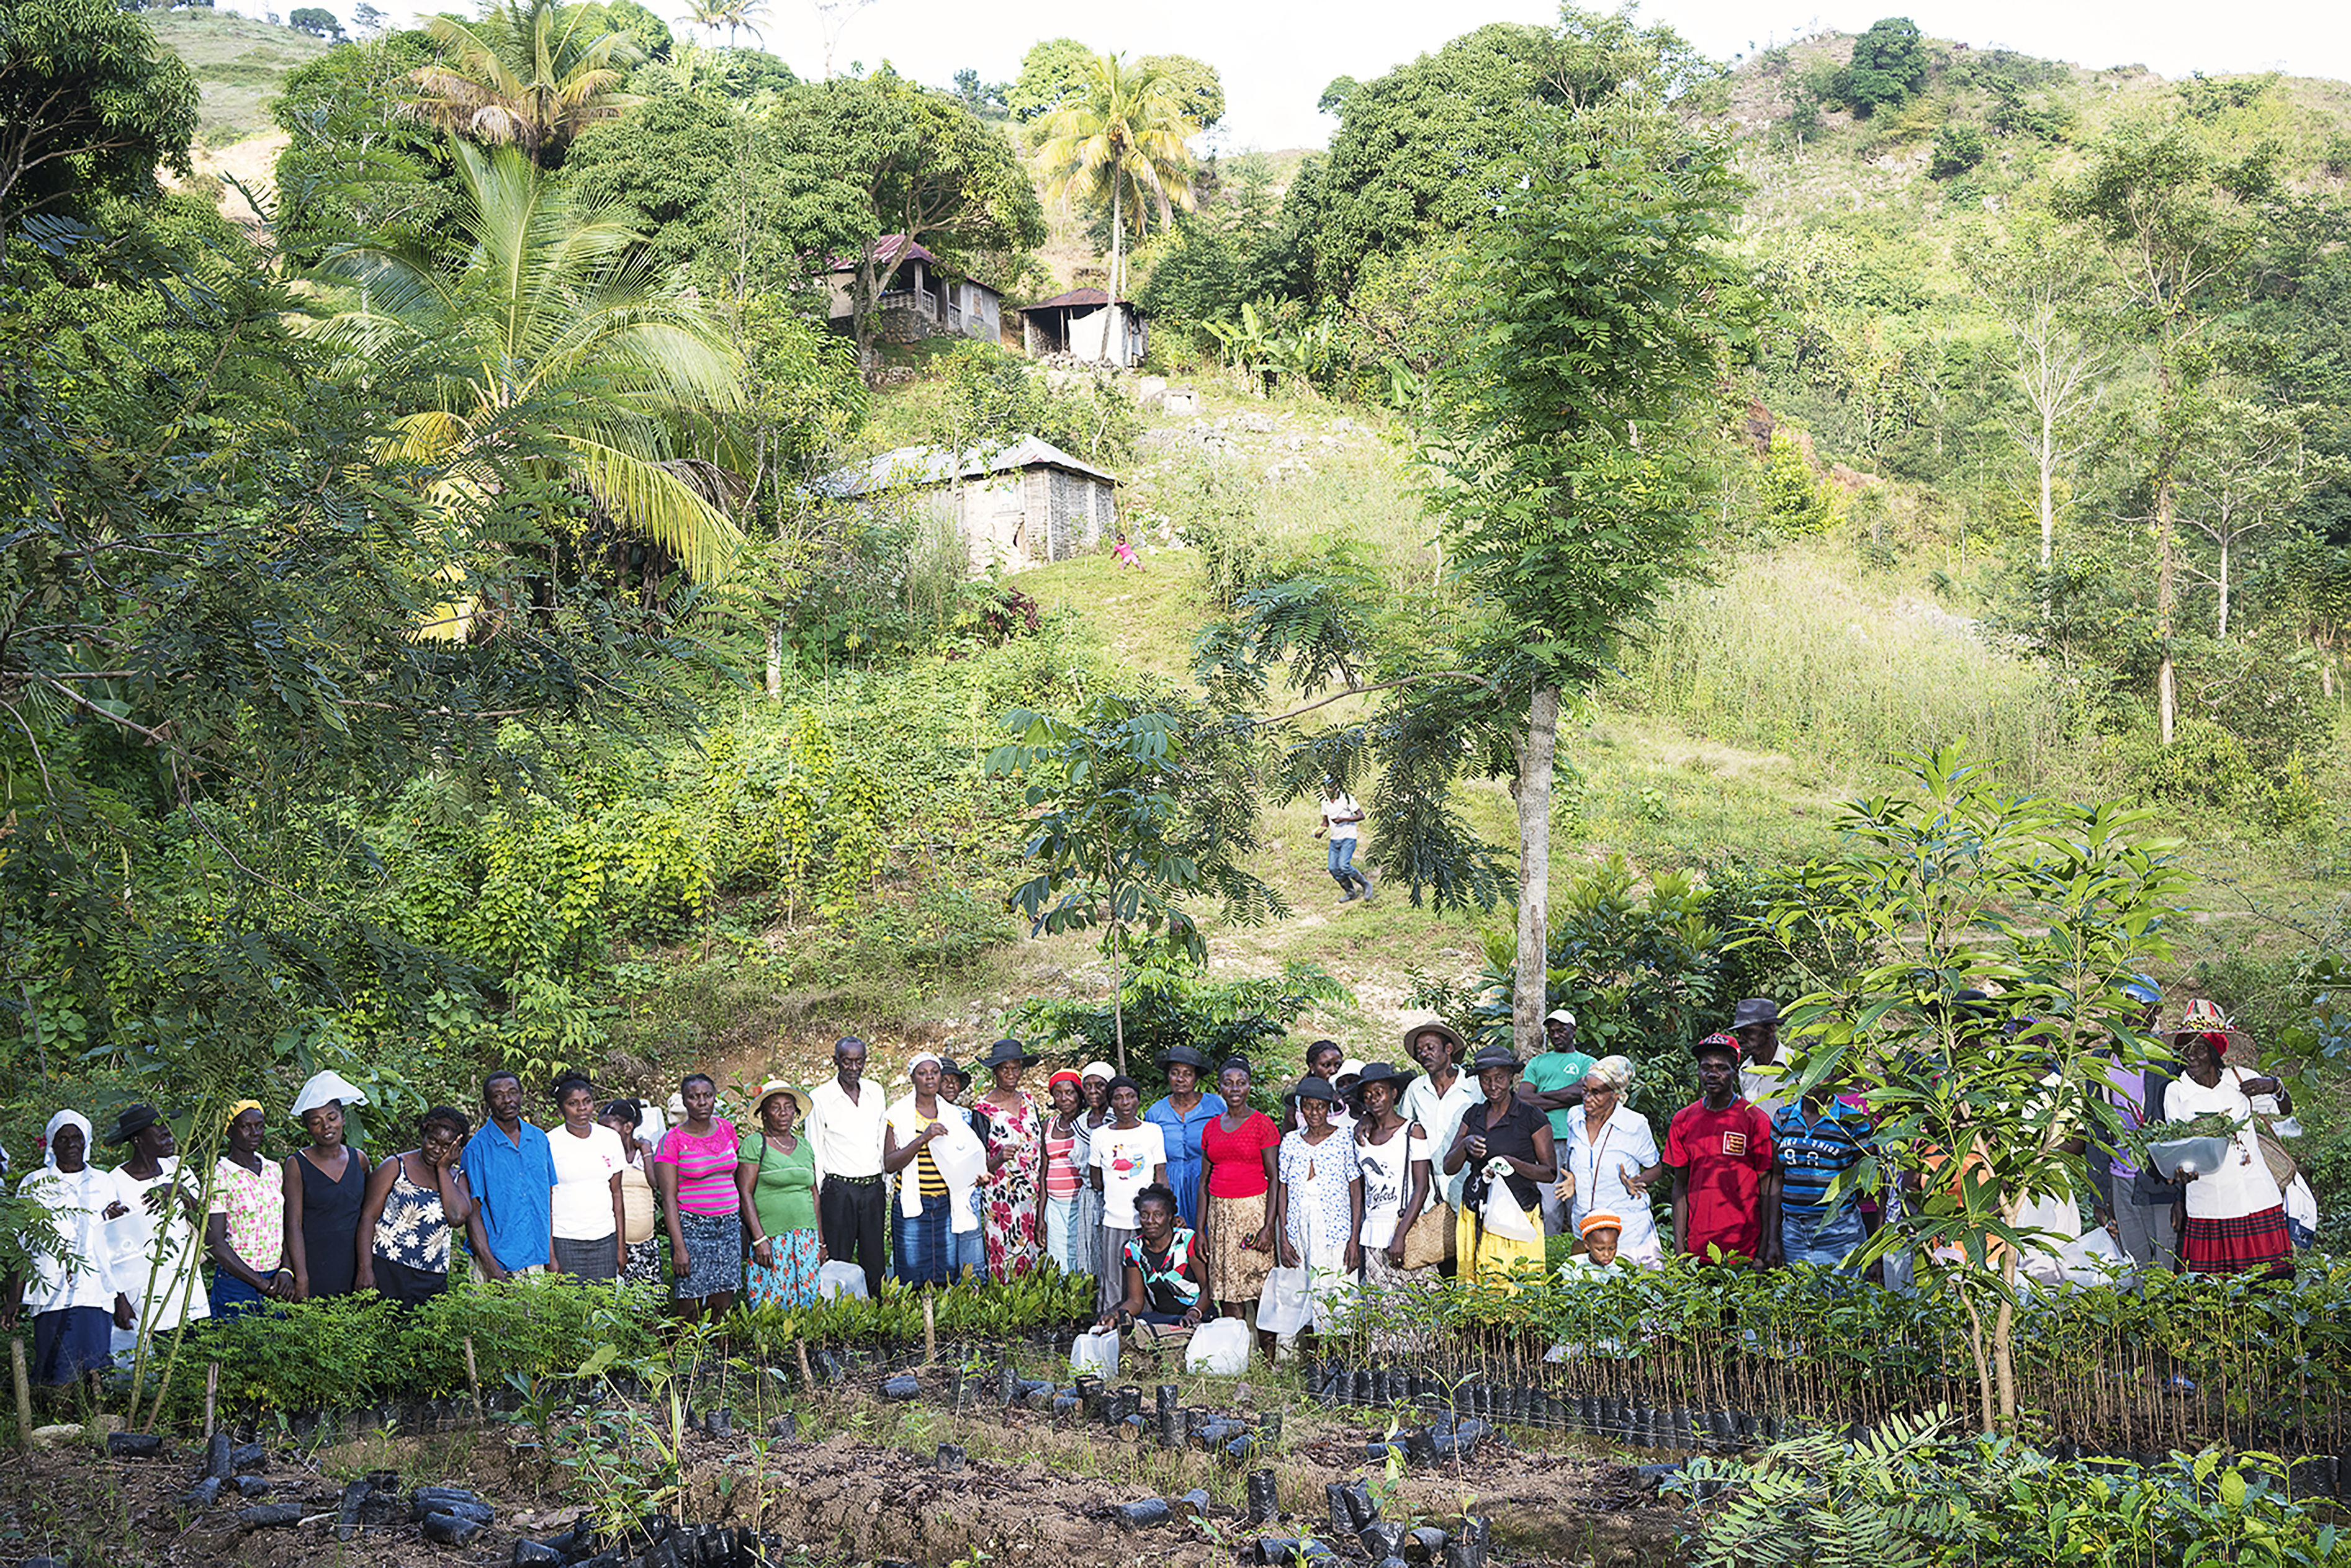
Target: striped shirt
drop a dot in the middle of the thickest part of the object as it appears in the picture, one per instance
(1814, 1151)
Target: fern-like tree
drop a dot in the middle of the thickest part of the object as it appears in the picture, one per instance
(1118, 140)
(531, 74)
(1142, 803)
(2003, 929)
(554, 350)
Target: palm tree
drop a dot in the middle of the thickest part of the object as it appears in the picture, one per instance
(555, 358)
(1120, 138)
(735, 16)
(529, 74)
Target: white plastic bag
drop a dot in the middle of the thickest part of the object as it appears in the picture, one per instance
(1285, 1305)
(1220, 1347)
(1096, 1351)
(839, 1280)
(1504, 1216)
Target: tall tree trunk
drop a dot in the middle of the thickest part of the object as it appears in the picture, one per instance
(1117, 260)
(1532, 790)
(2222, 635)
(2166, 695)
(776, 659)
(2048, 466)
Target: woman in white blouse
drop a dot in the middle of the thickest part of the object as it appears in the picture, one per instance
(1608, 1144)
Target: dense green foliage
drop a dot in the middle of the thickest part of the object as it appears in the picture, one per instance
(89, 107)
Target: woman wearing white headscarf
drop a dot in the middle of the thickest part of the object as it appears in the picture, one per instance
(1608, 1142)
(72, 1292)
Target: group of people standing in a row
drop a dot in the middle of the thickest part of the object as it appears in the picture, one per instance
(1377, 1173)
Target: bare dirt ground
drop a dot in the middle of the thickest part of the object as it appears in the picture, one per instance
(251, 163)
(1032, 1491)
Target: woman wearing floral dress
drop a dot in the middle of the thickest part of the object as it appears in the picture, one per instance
(1008, 1197)
(1318, 1202)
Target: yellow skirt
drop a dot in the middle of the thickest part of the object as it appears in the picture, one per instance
(1487, 1258)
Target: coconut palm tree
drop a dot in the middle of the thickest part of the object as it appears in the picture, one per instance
(735, 16)
(1119, 139)
(555, 358)
(531, 73)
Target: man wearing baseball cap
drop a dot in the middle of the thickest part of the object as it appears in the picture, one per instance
(1552, 1082)
(1720, 1147)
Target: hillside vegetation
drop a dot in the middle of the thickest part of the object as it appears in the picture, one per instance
(240, 65)
(445, 740)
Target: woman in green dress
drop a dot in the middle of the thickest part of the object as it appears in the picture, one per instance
(776, 1175)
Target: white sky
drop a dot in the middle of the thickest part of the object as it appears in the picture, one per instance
(1275, 57)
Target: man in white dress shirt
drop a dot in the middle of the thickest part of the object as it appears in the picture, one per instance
(844, 1129)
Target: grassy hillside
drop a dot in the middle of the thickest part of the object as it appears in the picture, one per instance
(238, 62)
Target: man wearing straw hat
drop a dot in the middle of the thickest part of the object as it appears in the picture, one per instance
(1438, 1098)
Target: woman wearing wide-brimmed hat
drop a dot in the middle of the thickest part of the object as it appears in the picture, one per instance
(1182, 1115)
(1504, 1141)
(1008, 1197)
(775, 1180)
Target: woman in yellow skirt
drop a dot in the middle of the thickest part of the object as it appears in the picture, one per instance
(1504, 1140)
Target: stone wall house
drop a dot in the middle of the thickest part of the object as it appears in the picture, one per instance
(1073, 324)
(1014, 506)
(925, 299)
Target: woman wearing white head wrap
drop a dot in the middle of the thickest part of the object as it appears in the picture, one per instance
(72, 1292)
(1607, 1140)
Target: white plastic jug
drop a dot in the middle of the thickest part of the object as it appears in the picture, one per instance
(841, 1279)
(1220, 1347)
(1095, 1351)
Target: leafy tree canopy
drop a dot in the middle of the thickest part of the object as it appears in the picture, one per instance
(1417, 150)
(316, 21)
(90, 105)
(1199, 90)
(1048, 71)
(648, 32)
(1889, 64)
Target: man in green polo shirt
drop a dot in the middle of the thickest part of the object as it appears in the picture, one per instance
(1552, 1082)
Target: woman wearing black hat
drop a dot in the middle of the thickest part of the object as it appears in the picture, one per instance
(1015, 1136)
(1182, 1115)
(1508, 1141)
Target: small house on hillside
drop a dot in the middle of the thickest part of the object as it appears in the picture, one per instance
(924, 299)
(1074, 324)
(1014, 506)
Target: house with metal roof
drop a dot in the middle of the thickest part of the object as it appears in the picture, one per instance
(925, 299)
(1084, 325)
(1015, 505)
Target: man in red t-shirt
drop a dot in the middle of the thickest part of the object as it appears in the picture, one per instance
(1720, 1148)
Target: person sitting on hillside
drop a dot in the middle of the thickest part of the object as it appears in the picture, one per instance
(1718, 1148)
(1167, 1277)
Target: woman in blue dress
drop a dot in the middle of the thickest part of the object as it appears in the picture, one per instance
(1182, 1117)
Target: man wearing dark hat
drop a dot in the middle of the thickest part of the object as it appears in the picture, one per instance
(1553, 1083)
(1720, 1147)
(1755, 1023)
(164, 1280)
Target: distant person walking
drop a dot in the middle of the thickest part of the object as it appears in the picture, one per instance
(1342, 815)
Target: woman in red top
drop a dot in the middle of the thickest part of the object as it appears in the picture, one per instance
(1236, 1223)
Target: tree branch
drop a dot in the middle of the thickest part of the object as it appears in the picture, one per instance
(1470, 675)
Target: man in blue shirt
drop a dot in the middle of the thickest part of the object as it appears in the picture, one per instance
(513, 1175)
(1814, 1140)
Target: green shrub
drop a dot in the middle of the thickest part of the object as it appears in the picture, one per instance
(1957, 149)
(1794, 501)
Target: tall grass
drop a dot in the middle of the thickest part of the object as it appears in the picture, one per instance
(1792, 653)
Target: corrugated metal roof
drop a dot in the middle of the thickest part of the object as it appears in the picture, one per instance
(886, 249)
(916, 466)
(1077, 298)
